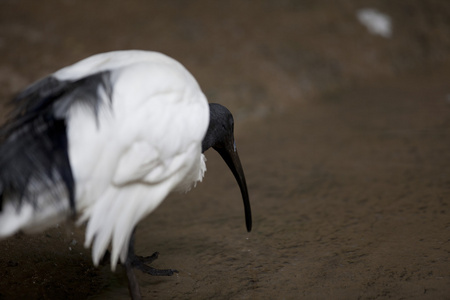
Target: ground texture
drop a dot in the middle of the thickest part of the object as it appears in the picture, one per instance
(344, 137)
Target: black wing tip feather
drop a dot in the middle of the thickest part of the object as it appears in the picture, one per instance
(51, 93)
(34, 145)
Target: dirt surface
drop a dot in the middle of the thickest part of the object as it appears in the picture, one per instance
(344, 137)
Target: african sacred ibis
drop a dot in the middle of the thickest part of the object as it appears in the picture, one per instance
(109, 138)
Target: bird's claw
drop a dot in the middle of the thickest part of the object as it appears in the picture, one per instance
(147, 259)
(140, 263)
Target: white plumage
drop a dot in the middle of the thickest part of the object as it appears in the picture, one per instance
(144, 143)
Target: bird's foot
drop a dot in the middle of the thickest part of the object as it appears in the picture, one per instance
(141, 263)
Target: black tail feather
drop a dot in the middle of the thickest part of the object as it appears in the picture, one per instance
(34, 145)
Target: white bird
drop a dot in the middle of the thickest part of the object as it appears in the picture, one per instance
(109, 138)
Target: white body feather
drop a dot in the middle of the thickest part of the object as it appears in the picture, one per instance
(145, 143)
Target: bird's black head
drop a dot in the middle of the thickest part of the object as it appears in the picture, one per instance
(220, 137)
(221, 128)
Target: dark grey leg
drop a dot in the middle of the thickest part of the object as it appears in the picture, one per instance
(140, 263)
(133, 286)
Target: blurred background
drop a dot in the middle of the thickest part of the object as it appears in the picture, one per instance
(257, 56)
(342, 115)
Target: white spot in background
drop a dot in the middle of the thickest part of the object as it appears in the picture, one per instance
(375, 21)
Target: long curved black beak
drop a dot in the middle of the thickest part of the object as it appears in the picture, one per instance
(231, 157)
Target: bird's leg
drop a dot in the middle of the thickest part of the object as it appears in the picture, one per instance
(133, 286)
(140, 263)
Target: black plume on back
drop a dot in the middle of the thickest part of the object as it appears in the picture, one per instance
(33, 143)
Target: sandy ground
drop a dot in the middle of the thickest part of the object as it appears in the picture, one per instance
(344, 137)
